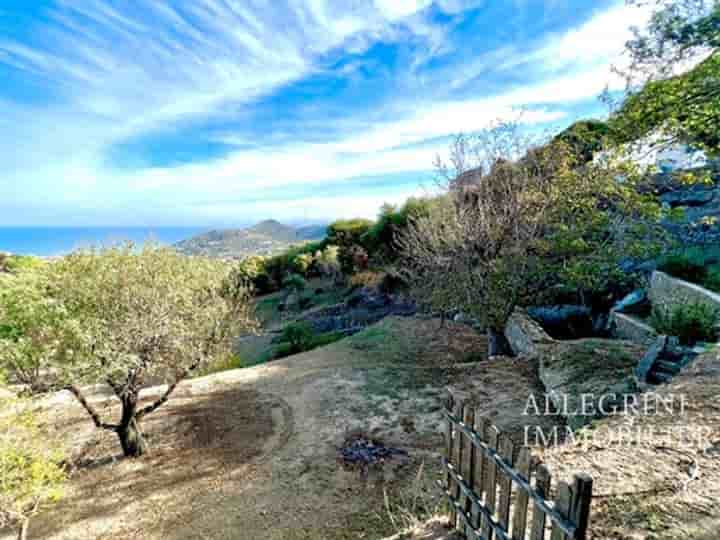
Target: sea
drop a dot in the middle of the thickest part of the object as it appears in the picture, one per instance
(55, 241)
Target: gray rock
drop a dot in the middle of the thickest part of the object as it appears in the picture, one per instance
(635, 302)
(524, 334)
(687, 197)
(651, 356)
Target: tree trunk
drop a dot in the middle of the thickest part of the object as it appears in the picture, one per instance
(498, 344)
(23, 532)
(132, 440)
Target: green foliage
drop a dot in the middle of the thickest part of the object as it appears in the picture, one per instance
(527, 226)
(585, 138)
(346, 232)
(686, 106)
(699, 265)
(121, 316)
(295, 283)
(266, 274)
(30, 319)
(689, 322)
(31, 471)
(299, 337)
(380, 239)
(18, 263)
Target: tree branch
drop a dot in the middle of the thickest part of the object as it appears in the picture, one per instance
(90, 410)
(151, 408)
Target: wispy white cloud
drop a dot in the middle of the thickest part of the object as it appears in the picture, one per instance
(116, 72)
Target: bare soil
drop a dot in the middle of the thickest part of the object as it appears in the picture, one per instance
(252, 453)
(666, 485)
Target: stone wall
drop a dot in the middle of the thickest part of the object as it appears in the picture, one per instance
(631, 328)
(666, 291)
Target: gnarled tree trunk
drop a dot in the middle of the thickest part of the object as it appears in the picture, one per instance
(23, 532)
(131, 438)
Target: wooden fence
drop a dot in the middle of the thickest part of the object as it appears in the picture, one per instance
(490, 484)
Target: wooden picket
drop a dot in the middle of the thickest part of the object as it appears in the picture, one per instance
(483, 471)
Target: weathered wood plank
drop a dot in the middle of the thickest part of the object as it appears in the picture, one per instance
(490, 480)
(522, 465)
(492, 524)
(507, 451)
(562, 506)
(566, 526)
(580, 504)
(467, 470)
(449, 439)
(542, 489)
(458, 450)
(481, 427)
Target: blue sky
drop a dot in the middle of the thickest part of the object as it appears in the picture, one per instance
(223, 112)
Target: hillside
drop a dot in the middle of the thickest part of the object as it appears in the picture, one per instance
(265, 238)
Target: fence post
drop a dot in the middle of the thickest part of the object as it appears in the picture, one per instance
(580, 504)
(522, 466)
(449, 404)
(481, 428)
(457, 459)
(490, 479)
(562, 507)
(542, 488)
(468, 466)
(507, 451)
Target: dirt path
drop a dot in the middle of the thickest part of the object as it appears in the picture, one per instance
(252, 453)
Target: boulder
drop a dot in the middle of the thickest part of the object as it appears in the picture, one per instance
(524, 334)
(687, 197)
(585, 377)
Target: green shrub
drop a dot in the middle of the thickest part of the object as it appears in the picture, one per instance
(689, 322)
(712, 280)
(299, 337)
(686, 265)
(695, 264)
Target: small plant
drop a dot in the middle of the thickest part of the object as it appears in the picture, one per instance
(31, 472)
(697, 265)
(298, 336)
(689, 322)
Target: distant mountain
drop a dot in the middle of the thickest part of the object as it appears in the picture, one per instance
(265, 238)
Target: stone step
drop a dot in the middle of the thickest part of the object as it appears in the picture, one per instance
(668, 367)
(657, 377)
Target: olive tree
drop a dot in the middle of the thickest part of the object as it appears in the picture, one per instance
(31, 471)
(131, 317)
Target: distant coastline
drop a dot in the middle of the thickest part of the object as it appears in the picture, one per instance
(56, 241)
